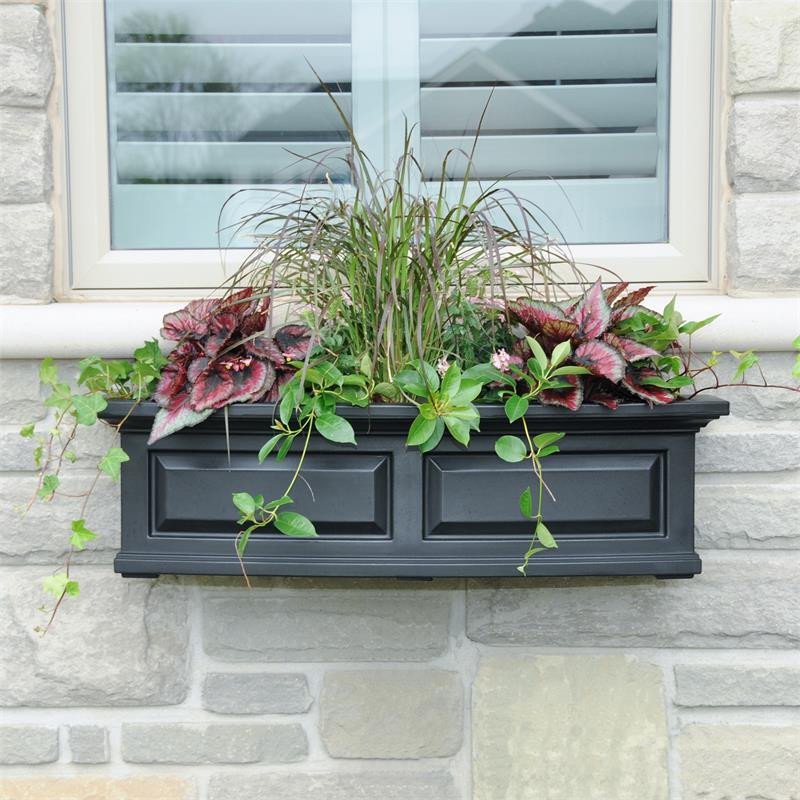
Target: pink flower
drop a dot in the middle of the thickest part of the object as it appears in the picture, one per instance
(500, 360)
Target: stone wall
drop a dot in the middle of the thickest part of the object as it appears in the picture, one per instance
(617, 689)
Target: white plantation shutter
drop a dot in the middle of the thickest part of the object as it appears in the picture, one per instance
(208, 97)
(577, 117)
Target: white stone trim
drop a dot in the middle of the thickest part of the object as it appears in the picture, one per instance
(74, 330)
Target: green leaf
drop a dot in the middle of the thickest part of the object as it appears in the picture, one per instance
(286, 407)
(526, 503)
(467, 392)
(544, 536)
(54, 584)
(284, 448)
(484, 373)
(430, 377)
(331, 375)
(544, 439)
(281, 501)
(268, 447)
(421, 430)
(547, 451)
(747, 360)
(387, 390)
(516, 407)
(561, 353)
(245, 502)
(451, 382)
(27, 430)
(290, 523)
(48, 372)
(49, 485)
(435, 437)
(692, 327)
(365, 366)
(81, 535)
(538, 353)
(511, 449)
(569, 371)
(150, 353)
(335, 428)
(87, 406)
(111, 462)
(410, 381)
(459, 428)
(244, 538)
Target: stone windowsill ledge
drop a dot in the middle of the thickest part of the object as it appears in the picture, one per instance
(115, 329)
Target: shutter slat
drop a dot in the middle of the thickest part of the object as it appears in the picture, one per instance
(570, 155)
(233, 162)
(188, 111)
(274, 63)
(540, 58)
(526, 108)
(232, 17)
(478, 17)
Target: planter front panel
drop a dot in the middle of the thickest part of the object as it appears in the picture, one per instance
(623, 498)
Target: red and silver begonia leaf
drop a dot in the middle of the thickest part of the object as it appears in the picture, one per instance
(265, 347)
(600, 359)
(191, 321)
(613, 292)
(592, 313)
(653, 395)
(604, 399)
(559, 330)
(177, 415)
(630, 348)
(293, 341)
(533, 314)
(567, 398)
(171, 383)
(634, 298)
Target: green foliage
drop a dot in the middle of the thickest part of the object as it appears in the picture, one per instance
(112, 462)
(81, 535)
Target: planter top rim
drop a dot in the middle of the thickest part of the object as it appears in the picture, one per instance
(698, 409)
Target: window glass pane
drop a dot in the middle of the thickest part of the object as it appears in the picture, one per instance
(206, 98)
(577, 120)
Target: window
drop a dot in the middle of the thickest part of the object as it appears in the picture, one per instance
(599, 113)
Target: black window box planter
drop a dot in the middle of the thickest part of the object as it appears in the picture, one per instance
(623, 482)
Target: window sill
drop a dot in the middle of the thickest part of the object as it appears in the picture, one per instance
(114, 330)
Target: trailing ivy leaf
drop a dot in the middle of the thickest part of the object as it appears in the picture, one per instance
(747, 360)
(290, 523)
(421, 430)
(59, 584)
(511, 449)
(435, 437)
(526, 503)
(268, 447)
(27, 430)
(544, 439)
(81, 535)
(60, 397)
(335, 428)
(516, 407)
(112, 461)
(150, 353)
(544, 536)
(245, 502)
(49, 485)
(87, 406)
(48, 372)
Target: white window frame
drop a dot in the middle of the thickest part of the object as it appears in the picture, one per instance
(684, 263)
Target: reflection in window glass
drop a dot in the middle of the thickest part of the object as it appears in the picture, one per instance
(577, 116)
(209, 97)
